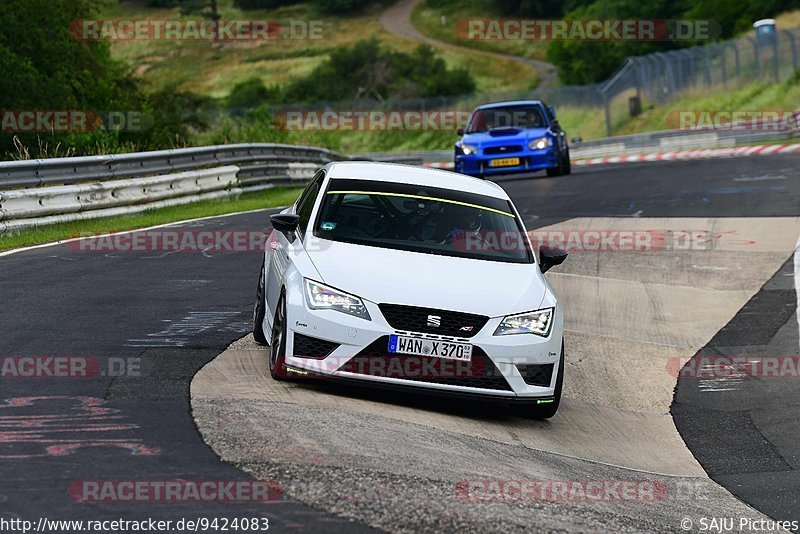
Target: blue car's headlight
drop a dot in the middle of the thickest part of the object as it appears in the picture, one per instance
(542, 142)
(536, 322)
(322, 297)
(466, 150)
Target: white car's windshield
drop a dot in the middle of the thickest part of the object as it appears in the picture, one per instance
(422, 219)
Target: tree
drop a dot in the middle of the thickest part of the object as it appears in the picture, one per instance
(48, 68)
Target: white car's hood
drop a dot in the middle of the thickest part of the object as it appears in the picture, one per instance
(427, 280)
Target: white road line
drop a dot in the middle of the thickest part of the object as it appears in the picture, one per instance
(134, 230)
(797, 281)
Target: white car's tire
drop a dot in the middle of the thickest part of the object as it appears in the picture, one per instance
(277, 354)
(259, 310)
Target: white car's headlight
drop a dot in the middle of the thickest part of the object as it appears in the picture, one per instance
(322, 297)
(542, 142)
(468, 149)
(537, 322)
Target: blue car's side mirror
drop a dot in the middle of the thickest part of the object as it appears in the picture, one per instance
(460, 131)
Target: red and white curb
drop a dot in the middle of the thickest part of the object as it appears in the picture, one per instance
(760, 150)
(440, 164)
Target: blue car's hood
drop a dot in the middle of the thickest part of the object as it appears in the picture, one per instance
(503, 137)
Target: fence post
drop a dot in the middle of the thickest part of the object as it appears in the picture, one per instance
(775, 59)
(637, 77)
(707, 66)
(793, 47)
(723, 68)
(668, 72)
(756, 55)
(735, 48)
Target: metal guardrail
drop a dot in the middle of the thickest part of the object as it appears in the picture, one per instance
(259, 163)
(46, 191)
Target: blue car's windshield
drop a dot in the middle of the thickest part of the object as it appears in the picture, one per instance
(520, 117)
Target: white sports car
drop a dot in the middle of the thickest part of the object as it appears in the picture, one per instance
(403, 276)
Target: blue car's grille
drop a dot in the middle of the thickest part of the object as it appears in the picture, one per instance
(509, 149)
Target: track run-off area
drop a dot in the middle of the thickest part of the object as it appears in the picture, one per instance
(197, 402)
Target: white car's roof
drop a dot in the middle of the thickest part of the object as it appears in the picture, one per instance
(408, 174)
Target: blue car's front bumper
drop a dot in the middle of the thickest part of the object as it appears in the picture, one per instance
(529, 160)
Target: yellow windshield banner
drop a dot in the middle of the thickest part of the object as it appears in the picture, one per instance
(421, 197)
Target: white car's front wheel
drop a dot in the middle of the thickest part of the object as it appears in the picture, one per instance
(259, 311)
(277, 354)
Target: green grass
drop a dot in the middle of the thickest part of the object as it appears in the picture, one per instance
(269, 198)
(428, 20)
(751, 97)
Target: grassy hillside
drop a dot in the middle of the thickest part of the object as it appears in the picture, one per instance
(213, 69)
(428, 20)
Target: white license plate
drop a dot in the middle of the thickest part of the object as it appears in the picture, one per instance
(429, 347)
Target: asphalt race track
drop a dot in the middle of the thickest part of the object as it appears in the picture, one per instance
(350, 460)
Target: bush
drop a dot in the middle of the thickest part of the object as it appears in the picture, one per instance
(368, 71)
(249, 93)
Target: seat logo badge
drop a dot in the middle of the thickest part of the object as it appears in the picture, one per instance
(434, 320)
(466, 329)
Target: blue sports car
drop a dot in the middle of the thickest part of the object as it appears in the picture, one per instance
(510, 137)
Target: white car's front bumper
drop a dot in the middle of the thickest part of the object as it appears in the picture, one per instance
(353, 335)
